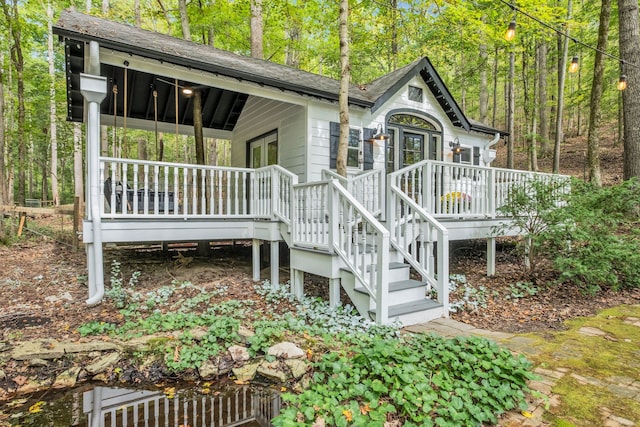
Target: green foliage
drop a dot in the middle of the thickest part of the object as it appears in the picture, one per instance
(117, 291)
(421, 380)
(595, 240)
(96, 328)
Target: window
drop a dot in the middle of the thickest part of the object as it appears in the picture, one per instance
(468, 156)
(415, 94)
(353, 149)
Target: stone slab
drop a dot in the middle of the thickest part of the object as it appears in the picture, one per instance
(51, 349)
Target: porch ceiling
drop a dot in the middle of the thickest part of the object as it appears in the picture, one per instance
(221, 108)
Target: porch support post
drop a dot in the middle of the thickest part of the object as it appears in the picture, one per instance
(94, 88)
(297, 283)
(275, 262)
(256, 259)
(491, 256)
(334, 292)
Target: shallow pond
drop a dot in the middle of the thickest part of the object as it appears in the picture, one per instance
(96, 406)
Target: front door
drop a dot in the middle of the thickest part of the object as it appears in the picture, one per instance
(263, 151)
(412, 139)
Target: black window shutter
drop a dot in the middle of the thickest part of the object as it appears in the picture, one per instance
(334, 139)
(367, 149)
(476, 156)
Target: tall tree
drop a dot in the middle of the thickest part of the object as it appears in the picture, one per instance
(53, 129)
(563, 47)
(511, 107)
(593, 144)
(343, 96)
(256, 29)
(4, 188)
(184, 19)
(12, 17)
(543, 111)
(630, 53)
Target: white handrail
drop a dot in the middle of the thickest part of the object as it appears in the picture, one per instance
(362, 243)
(446, 189)
(414, 231)
(367, 187)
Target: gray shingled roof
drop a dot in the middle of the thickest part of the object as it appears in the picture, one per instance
(126, 38)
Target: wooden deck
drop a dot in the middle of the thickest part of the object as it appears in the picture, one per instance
(356, 232)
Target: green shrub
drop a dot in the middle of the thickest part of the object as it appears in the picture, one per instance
(594, 241)
(418, 380)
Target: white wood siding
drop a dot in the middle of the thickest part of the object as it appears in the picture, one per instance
(262, 115)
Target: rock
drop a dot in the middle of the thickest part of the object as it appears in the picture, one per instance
(239, 353)
(245, 334)
(298, 367)
(198, 333)
(3, 376)
(103, 363)
(67, 379)
(52, 349)
(66, 296)
(272, 371)
(246, 372)
(593, 332)
(286, 350)
(225, 364)
(146, 342)
(31, 386)
(38, 362)
(208, 370)
(101, 377)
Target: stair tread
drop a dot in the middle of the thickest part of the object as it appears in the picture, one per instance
(400, 285)
(410, 307)
(392, 266)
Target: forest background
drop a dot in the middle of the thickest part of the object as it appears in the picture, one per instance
(522, 86)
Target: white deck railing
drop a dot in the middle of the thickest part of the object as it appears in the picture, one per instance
(144, 189)
(447, 189)
(414, 233)
(367, 187)
(328, 217)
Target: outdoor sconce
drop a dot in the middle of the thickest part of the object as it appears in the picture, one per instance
(574, 65)
(187, 91)
(456, 149)
(622, 83)
(380, 135)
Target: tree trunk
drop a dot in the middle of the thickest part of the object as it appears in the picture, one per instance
(542, 98)
(13, 18)
(4, 190)
(533, 145)
(394, 34)
(136, 12)
(563, 42)
(484, 92)
(593, 144)
(184, 19)
(494, 112)
(105, 7)
(256, 29)
(78, 176)
(343, 96)
(511, 106)
(53, 129)
(630, 52)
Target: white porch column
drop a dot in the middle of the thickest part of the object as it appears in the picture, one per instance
(255, 258)
(334, 292)
(94, 88)
(275, 262)
(491, 256)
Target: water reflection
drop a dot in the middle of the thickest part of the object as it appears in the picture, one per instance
(123, 407)
(120, 407)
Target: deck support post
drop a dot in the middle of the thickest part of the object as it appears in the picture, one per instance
(255, 259)
(334, 292)
(491, 256)
(275, 262)
(297, 283)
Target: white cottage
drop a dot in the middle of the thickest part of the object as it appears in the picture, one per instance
(418, 168)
